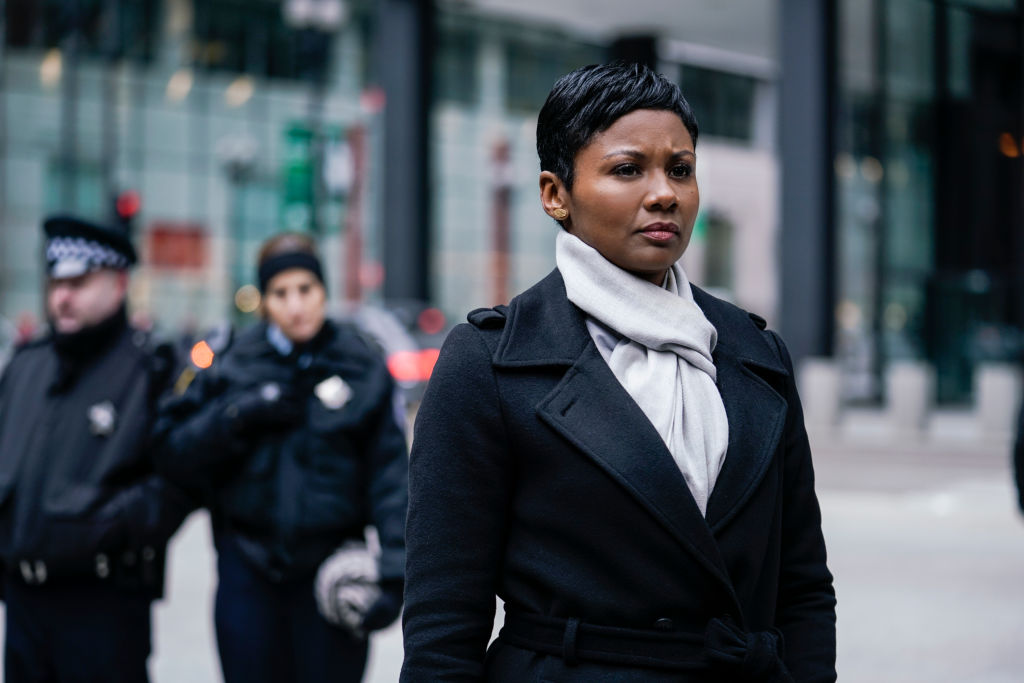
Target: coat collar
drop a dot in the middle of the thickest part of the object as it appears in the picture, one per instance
(545, 328)
(592, 411)
(334, 350)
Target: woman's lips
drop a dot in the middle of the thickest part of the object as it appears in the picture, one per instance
(660, 232)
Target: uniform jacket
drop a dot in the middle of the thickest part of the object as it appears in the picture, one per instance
(535, 476)
(290, 497)
(79, 498)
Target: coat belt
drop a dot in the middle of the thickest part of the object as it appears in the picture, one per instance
(723, 647)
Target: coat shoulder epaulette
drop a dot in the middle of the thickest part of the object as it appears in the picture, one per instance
(23, 350)
(30, 344)
(758, 320)
(488, 318)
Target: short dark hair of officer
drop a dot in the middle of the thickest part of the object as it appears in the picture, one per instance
(589, 100)
(87, 266)
(292, 283)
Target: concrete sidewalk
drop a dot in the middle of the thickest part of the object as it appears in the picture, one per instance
(927, 548)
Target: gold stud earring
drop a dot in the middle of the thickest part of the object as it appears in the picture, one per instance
(560, 214)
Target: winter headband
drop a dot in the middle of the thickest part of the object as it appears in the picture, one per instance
(286, 261)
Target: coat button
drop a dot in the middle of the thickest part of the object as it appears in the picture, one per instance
(664, 624)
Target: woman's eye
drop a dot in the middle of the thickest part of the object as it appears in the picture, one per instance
(681, 171)
(626, 170)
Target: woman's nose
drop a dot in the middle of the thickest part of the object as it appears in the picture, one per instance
(661, 196)
(295, 304)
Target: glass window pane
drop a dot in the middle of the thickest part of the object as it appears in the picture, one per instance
(722, 102)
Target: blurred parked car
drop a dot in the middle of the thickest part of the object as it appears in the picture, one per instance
(410, 333)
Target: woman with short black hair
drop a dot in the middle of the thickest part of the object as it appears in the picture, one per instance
(617, 455)
(293, 437)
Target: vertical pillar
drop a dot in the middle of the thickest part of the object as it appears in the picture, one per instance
(404, 50)
(806, 93)
(69, 107)
(642, 49)
(113, 53)
(5, 230)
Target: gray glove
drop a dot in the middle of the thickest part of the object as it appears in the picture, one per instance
(346, 587)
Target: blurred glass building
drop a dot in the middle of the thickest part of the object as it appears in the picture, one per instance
(197, 122)
(859, 159)
(399, 131)
(928, 201)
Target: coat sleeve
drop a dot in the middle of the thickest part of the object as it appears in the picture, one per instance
(153, 508)
(389, 483)
(806, 610)
(192, 439)
(148, 512)
(459, 490)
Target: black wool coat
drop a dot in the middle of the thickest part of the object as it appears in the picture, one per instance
(534, 476)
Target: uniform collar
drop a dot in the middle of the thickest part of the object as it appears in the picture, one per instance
(77, 350)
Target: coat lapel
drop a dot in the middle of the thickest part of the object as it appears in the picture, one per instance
(595, 413)
(591, 410)
(756, 412)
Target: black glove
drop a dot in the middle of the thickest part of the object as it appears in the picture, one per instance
(266, 408)
(386, 609)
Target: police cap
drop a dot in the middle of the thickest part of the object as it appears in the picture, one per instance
(75, 246)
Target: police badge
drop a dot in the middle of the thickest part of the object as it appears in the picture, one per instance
(333, 392)
(102, 418)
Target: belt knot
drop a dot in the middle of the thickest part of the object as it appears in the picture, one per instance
(756, 655)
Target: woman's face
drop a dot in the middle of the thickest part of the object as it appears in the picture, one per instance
(634, 197)
(295, 301)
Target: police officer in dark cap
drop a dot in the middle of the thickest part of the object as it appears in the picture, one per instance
(84, 521)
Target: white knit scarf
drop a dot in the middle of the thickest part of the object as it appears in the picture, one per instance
(663, 358)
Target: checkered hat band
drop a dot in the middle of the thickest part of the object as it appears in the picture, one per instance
(94, 254)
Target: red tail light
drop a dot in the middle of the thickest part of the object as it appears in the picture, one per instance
(412, 366)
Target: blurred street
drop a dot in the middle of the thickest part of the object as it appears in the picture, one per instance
(926, 545)
(928, 552)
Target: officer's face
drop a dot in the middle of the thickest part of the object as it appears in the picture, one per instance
(296, 301)
(75, 303)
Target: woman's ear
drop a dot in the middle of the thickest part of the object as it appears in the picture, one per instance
(553, 196)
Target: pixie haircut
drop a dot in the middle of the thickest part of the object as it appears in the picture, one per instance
(590, 99)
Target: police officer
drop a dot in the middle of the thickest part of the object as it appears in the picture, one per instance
(292, 435)
(84, 520)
